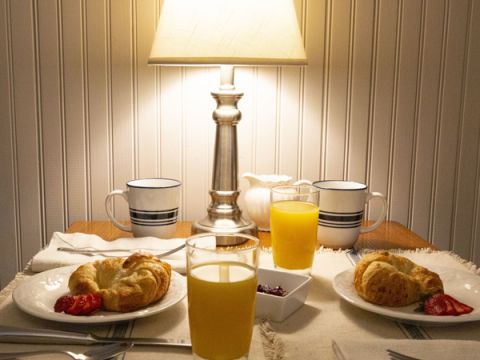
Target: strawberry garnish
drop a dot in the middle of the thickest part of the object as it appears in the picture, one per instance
(83, 304)
(460, 307)
(63, 303)
(443, 304)
(96, 300)
(77, 306)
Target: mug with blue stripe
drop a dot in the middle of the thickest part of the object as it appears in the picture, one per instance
(341, 212)
(153, 207)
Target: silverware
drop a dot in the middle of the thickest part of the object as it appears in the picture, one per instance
(11, 334)
(100, 352)
(91, 252)
(395, 355)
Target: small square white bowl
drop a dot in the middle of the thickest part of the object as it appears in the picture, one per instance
(278, 308)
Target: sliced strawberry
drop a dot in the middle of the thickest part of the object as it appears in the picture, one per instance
(460, 307)
(435, 305)
(63, 303)
(97, 301)
(466, 309)
(83, 304)
(87, 307)
(442, 304)
(450, 308)
(77, 306)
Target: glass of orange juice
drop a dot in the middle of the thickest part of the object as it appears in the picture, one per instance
(222, 286)
(293, 226)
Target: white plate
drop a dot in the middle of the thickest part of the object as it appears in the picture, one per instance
(462, 285)
(37, 296)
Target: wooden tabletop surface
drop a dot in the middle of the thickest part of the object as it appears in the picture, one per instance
(390, 235)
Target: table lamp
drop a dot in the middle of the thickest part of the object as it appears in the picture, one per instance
(226, 33)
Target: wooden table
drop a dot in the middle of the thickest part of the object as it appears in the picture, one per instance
(390, 235)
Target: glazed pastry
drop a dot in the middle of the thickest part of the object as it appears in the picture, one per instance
(124, 284)
(391, 280)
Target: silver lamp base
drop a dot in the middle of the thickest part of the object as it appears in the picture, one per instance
(224, 215)
(224, 226)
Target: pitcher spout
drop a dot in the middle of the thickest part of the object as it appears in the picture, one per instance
(252, 178)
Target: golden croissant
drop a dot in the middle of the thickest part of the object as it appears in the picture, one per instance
(124, 284)
(391, 280)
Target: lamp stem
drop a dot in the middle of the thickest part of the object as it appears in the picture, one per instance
(227, 76)
(224, 215)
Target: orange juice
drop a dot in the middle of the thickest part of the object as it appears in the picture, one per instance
(293, 226)
(221, 309)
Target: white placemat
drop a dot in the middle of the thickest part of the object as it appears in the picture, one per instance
(349, 349)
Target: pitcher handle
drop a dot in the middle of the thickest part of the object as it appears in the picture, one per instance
(122, 193)
(370, 196)
(302, 182)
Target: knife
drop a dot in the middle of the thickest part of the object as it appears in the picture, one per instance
(42, 336)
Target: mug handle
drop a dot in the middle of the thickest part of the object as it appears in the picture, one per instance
(109, 197)
(370, 196)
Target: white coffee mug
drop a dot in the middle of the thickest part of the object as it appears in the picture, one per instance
(153, 205)
(341, 208)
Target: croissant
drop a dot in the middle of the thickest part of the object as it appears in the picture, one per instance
(391, 280)
(124, 284)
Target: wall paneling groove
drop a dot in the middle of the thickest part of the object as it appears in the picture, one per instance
(391, 97)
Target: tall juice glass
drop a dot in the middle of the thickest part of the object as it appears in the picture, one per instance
(222, 285)
(293, 226)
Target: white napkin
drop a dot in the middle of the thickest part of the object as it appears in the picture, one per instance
(50, 257)
(348, 349)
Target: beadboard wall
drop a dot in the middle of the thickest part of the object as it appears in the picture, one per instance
(391, 97)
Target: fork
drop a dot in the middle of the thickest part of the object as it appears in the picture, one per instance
(100, 352)
(92, 252)
(394, 355)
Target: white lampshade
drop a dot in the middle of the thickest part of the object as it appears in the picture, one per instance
(252, 32)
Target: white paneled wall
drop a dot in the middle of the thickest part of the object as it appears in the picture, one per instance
(391, 97)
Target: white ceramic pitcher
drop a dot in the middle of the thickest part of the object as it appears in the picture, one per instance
(257, 196)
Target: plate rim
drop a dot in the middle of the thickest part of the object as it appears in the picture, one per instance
(389, 312)
(96, 319)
